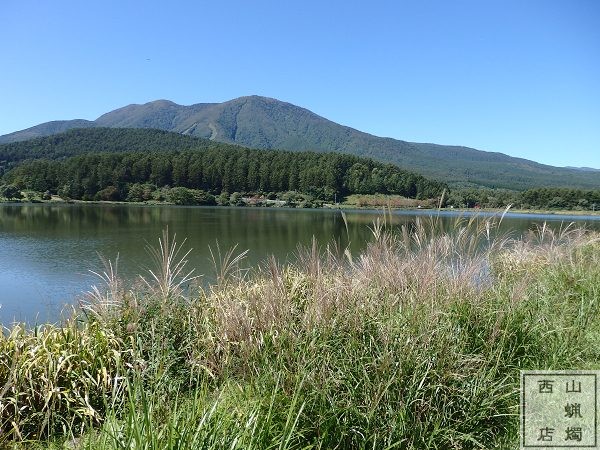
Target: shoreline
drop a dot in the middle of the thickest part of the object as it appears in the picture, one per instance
(326, 206)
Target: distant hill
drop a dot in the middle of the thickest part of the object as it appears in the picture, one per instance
(46, 129)
(266, 123)
(83, 162)
(93, 140)
(584, 169)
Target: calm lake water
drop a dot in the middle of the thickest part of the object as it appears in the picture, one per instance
(47, 251)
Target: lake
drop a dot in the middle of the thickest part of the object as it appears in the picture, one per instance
(48, 250)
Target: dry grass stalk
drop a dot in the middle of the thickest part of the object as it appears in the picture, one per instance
(169, 278)
(108, 297)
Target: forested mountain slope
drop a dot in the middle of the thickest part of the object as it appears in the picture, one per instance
(266, 123)
(83, 162)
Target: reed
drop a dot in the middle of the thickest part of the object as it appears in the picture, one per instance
(417, 342)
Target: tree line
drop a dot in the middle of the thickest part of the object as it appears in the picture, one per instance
(216, 170)
(537, 198)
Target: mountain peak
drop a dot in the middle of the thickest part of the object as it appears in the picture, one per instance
(256, 98)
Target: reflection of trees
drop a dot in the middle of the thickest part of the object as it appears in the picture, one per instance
(65, 219)
(264, 231)
(61, 241)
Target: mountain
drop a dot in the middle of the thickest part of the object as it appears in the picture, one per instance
(583, 169)
(266, 123)
(46, 129)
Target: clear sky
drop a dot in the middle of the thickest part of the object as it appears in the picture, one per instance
(521, 77)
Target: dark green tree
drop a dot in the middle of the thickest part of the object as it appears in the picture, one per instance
(10, 192)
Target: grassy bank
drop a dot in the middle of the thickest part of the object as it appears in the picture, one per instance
(415, 343)
(388, 201)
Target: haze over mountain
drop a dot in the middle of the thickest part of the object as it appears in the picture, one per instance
(266, 123)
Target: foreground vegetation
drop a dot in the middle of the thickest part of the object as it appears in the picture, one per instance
(415, 343)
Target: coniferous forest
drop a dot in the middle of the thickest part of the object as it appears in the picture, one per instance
(227, 169)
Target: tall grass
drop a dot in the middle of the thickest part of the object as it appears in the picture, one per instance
(417, 342)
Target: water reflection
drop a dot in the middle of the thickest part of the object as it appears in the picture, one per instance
(46, 251)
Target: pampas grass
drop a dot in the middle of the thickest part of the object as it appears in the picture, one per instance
(417, 342)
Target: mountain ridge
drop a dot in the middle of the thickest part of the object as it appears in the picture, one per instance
(268, 123)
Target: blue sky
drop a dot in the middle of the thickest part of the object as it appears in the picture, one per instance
(521, 77)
